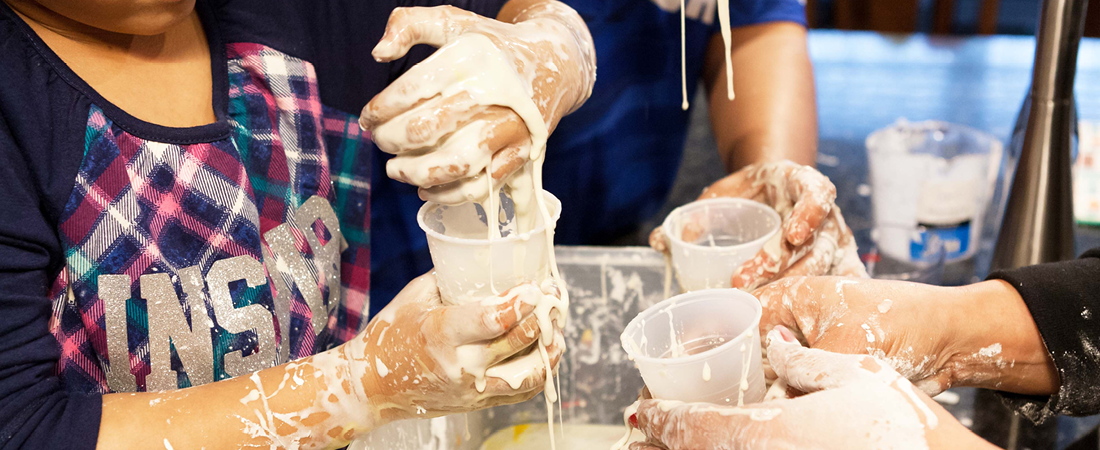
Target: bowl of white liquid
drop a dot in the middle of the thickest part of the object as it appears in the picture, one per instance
(710, 239)
(470, 264)
(701, 346)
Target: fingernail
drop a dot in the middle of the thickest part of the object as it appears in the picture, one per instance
(634, 420)
(786, 333)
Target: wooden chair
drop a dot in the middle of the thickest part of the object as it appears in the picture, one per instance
(900, 16)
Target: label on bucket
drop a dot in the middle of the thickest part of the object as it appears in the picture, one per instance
(955, 239)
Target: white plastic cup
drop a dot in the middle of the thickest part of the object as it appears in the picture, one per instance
(936, 175)
(464, 258)
(724, 233)
(727, 373)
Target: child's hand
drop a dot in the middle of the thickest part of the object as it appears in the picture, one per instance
(444, 137)
(421, 358)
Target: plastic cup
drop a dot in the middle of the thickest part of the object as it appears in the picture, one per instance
(701, 346)
(467, 266)
(710, 239)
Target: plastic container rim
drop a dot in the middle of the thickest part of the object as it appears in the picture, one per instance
(466, 241)
(687, 299)
(927, 125)
(665, 226)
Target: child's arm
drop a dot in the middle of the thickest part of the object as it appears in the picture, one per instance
(406, 364)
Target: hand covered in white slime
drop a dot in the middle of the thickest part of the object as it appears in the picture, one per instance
(466, 109)
(851, 402)
(417, 358)
(813, 238)
(425, 359)
(934, 336)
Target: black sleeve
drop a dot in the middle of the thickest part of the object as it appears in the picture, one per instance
(1064, 300)
(42, 123)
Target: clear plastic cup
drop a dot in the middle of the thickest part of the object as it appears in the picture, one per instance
(709, 239)
(467, 266)
(701, 346)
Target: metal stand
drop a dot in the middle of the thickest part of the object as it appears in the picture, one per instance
(1038, 221)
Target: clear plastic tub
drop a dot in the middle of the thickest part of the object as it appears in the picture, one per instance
(701, 346)
(709, 239)
(467, 265)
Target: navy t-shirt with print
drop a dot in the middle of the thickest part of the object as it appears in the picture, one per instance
(137, 257)
(613, 161)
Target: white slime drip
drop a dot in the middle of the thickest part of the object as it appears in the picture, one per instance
(724, 23)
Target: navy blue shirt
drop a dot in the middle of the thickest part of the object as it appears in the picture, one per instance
(139, 257)
(613, 161)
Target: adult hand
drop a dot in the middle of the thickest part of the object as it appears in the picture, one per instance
(450, 118)
(421, 358)
(937, 337)
(813, 238)
(851, 402)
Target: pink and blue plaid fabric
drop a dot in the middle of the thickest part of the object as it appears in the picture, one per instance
(142, 207)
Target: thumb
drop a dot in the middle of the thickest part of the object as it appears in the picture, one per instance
(811, 370)
(407, 27)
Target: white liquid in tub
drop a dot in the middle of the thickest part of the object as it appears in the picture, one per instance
(576, 437)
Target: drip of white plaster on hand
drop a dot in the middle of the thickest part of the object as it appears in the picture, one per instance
(884, 307)
(991, 351)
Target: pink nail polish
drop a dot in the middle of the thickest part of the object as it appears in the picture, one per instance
(786, 333)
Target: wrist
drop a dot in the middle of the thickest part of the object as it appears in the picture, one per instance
(996, 342)
(350, 386)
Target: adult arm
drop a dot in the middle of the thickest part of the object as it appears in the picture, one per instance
(1027, 332)
(774, 114)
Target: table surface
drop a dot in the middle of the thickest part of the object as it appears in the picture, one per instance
(866, 81)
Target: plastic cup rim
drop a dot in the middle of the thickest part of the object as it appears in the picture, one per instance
(927, 125)
(704, 295)
(467, 241)
(665, 226)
